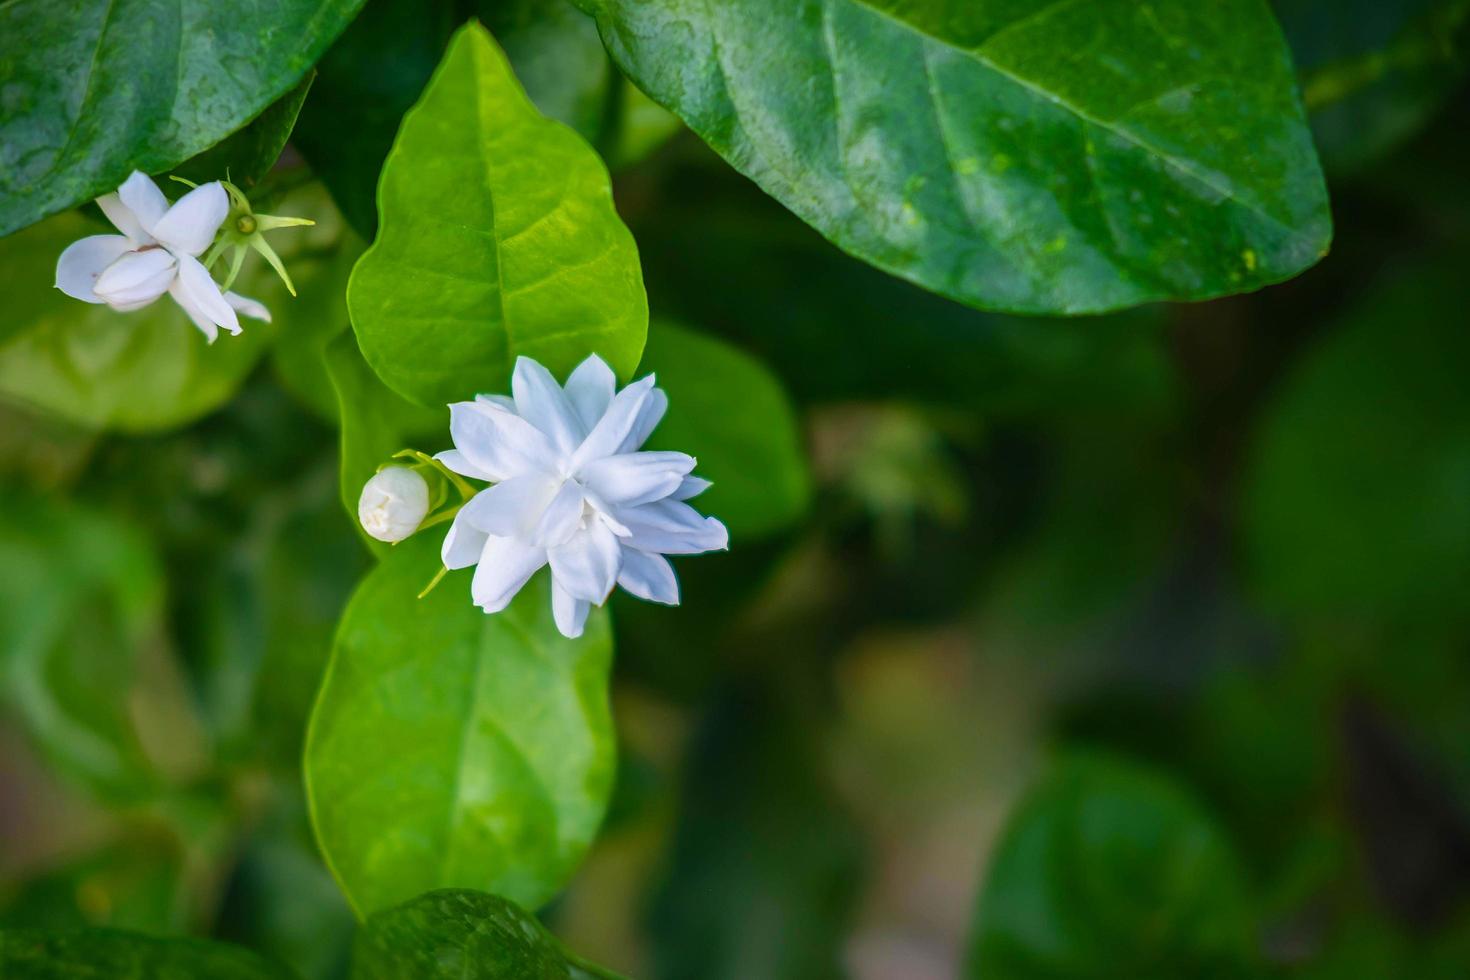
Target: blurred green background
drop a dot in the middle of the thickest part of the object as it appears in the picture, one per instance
(1180, 598)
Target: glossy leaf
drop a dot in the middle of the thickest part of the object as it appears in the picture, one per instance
(1371, 527)
(79, 594)
(34, 954)
(145, 370)
(731, 414)
(250, 153)
(449, 748)
(481, 258)
(97, 88)
(456, 934)
(1108, 870)
(379, 67)
(1026, 156)
(376, 423)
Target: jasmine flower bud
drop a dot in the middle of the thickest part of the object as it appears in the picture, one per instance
(393, 503)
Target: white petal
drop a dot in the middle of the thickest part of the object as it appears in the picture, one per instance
(123, 219)
(540, 401)
(505, 566)
(587, 566)
(206, 326)
(252, 308)
(498, 443)
(83, 261)
(140, 195)
(649, 577)
(648, 419)
(462, 545)
(636, 478)
(501, 401)
(136, 279)
(200, 297)
(512, 508)
(189, 225)
(615, 425)
(590, 390)
(692, 487)
(673, 528)
(569, 612)
(455, 460)
(562, 518)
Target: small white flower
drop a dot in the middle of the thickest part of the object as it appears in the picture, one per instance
(393, 503)
(573, 491)
(155, 254)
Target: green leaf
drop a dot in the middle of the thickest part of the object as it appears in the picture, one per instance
(79, 594)
(34, 954)
(376, 423)
(482, 256)
(141, 371)
(731, 414)
(1028, 156)
(97, 88)
(449, 748)
(457, 934)
(250, 153)
(1374, 73)
(1355, 505)
(1108, 870)
(379, 67)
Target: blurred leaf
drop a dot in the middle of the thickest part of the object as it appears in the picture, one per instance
(642, 125)
(93, 92)
(318, 316)
(1374, 73)
(733, 416)
(79, 594)
(833, 329)
(764, 871)
(149, 369)
(1064, 158)
(135, 883)
(456, 934)
(249, 154)
(379, 67)
(376, 423)
(34, 954)
(480, 259)
(450, 748)
(1356, 505)
(1109, 870)
(282, 902)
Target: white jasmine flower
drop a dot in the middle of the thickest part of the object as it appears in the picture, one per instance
(155, 254)
(573, 491)
(393, 503)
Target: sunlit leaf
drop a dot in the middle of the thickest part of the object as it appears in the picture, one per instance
(481, 258)
(449, 748)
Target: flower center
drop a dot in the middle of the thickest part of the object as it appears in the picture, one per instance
(245, 224)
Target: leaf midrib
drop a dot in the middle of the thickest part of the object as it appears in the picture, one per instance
(976, 54)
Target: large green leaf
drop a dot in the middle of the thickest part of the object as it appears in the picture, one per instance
(1356, 502)
(79, 595)
(1108, 870)
(249, 154)
(379, 67)
(732, 415)
(456, 934)
(1028, 155)
(449, 748)
(35, 954)
(149, 369)
(97, 88)
(498, 239)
